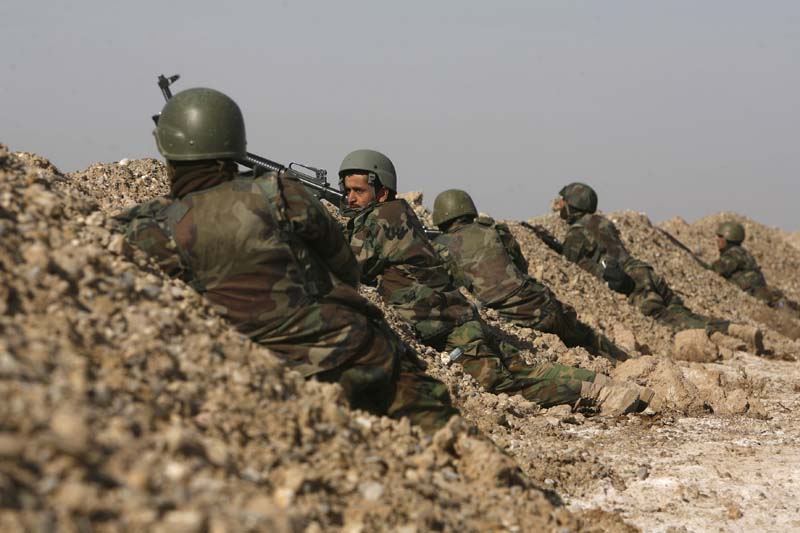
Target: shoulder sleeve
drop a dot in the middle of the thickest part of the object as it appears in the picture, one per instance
(577, 245)
(725, 266)
(143, 230)
(512, 247)
(366, 238)
(311, 222)
(579, 248)
(442, 248)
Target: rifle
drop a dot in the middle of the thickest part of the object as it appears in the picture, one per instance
(431, 233)
(316, 181)
(546, 237)
(685, 248)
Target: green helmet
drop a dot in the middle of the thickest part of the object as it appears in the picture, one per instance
(451, 204)
(731, 231)
(373, 164)
(579, 196)
(200, 124)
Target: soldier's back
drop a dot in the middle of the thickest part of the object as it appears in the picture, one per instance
(481, 261)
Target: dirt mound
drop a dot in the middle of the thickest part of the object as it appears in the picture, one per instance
(128, 403)
(190, 426)
(794, 239)
(596, 305)
(38, 162)
(689, 387)
(703, 290)
(123, 184)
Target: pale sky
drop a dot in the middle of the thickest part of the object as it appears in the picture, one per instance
(672, 108)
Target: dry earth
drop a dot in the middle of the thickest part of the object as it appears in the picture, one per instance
(129, 404)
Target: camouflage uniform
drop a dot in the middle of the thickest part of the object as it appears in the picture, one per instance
(739, 266)
(485, 258)
(594, 243)
(394, 253)
(271, 260)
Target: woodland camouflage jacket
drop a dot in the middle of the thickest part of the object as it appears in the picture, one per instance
(593, 240)
(484, 258)
(395, 255)
(263, 250)
(736, 264)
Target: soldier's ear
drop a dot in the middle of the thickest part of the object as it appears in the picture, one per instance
(382, 195)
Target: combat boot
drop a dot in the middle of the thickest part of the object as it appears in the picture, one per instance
(749, 334)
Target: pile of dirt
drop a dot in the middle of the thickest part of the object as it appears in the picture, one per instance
(298, 456)
(123, 184)
(681, 387)
(794, 239)
(605, 310)
(706, 292)
(128, 403)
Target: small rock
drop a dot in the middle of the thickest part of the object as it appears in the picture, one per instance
(217, 452)
(694, 345)
(733, 511)
(70, 430)
(11, 445)
(116, 244)
(182, 522)
(371, 490)
(283, 497)
(624, 338)
(560, 411)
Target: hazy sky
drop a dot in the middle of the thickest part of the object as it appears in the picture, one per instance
(672, 108)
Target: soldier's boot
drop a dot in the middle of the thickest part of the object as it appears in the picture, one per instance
(614, 398)
(753, 336)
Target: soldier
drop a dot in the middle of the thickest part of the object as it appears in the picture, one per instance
(395, 254)
(739, 266)
(272, 260)
(484, 257)
(594, 243)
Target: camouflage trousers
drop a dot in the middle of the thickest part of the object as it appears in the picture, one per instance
(655, 299)
(503, 370)
(378, 373)
(561, 320)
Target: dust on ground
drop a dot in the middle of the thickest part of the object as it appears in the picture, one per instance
(182, 423)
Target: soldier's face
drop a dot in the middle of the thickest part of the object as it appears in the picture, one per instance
(358, 191)
(721, 242)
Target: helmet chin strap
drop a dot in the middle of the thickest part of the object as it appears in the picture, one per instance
(564, 212)
(568, 214)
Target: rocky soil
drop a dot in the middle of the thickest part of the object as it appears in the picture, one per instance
(128, 404)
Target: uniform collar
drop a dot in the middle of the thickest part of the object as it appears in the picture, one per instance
(189, 177)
